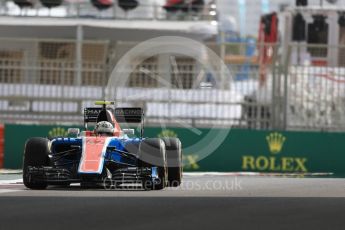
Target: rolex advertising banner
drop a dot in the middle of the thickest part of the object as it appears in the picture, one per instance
(266, 151)
(222, 150)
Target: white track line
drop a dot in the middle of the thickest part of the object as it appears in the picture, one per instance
(8, 191)
(11, 182)
(220, 174)
(11, 171)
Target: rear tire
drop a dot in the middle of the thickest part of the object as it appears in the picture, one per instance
(152, 154)
(35, 155)
(174, 161)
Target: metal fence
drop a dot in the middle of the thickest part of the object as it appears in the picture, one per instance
(252, 75)
(315, 81)
(44, 81)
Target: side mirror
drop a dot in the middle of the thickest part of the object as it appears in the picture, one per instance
(73, 132)
(128, 131)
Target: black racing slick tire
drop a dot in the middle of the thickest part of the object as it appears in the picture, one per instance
(36, 155)
(173, 148)
(152, 154)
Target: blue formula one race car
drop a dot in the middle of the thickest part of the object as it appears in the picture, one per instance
(105, 156)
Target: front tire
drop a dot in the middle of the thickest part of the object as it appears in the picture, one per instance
(152, 154)
(35, 155)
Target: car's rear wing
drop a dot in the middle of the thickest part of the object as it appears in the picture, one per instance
(129, 115)
(91, 114)
(122, 115)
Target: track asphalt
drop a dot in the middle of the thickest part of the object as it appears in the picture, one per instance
(204, 201)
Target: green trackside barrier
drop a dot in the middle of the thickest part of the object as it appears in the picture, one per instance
(242, 150)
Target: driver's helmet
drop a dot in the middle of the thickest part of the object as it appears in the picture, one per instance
(104, 128)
